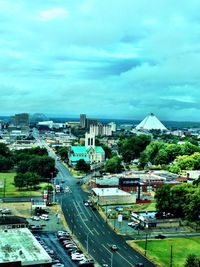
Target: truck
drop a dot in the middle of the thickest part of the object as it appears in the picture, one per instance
(57, 188)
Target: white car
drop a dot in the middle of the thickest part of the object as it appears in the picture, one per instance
(78, 257)
(132, 224)
(44, 217)
(35, 218)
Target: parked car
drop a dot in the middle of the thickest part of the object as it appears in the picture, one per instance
(35, 218)
(86, 262)
(79, 257)
(119, 208)
(6, 211)
(140, 264)
(62, 233)
(131, 224)
(44, 217)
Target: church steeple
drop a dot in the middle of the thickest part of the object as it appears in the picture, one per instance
(89, 140)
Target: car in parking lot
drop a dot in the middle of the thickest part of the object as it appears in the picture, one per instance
(44, 217)
(5, 211)
(86, 262)
(119, 208)
(132, 224)
(77, 257)
(35, 218)
(58, 265)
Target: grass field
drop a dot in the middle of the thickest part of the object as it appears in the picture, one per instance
(143, 207)
(159, 250)
(11, 190)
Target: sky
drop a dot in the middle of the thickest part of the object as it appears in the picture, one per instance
(106, 58)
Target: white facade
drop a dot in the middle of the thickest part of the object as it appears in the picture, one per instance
(106, 196)
(101, 129)
(113, 126)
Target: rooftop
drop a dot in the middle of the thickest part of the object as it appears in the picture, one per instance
(109, 192)
(21, 245)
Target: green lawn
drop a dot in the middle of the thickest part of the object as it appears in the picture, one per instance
(159, 250)
(11, 190)
(143, 207)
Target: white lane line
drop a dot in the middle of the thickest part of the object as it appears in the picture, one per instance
(95, 230)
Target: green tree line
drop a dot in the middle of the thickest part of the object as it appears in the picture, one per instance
(183, 201)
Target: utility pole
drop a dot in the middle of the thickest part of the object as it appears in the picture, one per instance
(171, 257)
(4, 188)
(145, 250)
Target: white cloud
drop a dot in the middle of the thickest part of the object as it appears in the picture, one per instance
(53, 13)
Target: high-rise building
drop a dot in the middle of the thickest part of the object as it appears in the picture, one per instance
(83, 120)
(21, 119)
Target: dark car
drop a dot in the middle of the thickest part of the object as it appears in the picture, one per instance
(160, 236)
(114, 247)
(140, 264)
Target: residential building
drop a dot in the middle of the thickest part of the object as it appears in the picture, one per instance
(100, 129)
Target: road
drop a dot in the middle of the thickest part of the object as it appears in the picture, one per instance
(91, 230)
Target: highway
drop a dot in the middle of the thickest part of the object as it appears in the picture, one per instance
(91, 230)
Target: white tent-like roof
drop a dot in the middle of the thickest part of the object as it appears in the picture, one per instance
(151, 122)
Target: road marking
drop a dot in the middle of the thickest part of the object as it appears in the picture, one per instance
(93, 249)
(125, 259)
(136, 256)
(117, 253)
(94, 230)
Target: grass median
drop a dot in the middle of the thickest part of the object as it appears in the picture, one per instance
(160, 250)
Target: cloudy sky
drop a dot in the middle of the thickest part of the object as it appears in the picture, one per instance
(105, 58)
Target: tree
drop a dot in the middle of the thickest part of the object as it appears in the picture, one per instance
(131, 148)
(5, 163)
(4, 150)
(113, 165)
(192, 261)
(19, 180)
(163, 199)
(63, 153)
(81, 165)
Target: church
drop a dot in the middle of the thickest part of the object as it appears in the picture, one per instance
(90, 153)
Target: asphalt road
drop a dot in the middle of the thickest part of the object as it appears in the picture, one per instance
(91, 230)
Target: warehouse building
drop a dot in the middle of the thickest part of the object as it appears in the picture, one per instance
(18, 247)
(108, 196)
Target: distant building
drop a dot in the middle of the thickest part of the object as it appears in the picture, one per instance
(86, 122)
(21, 119)
(113, 126)
(101, 129)
(83, 120)
(151, 122)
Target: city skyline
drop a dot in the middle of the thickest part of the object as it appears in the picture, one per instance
(111, 59)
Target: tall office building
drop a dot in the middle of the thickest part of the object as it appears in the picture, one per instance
(21, 119)
(83, 120)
